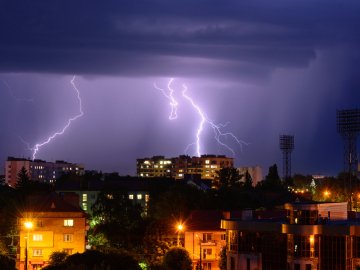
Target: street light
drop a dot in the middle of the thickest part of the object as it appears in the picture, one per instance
(180, 228)
(28, 226)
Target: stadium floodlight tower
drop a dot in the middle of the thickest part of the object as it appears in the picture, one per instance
(348, 125)
(286, 146)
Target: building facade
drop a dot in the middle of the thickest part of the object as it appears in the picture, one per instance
(204, 239)
(49, 224)
(205, 166)
(38, 170)
(311, 236)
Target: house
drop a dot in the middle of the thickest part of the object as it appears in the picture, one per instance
(47, 224)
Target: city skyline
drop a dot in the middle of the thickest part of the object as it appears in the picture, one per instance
(265, 68)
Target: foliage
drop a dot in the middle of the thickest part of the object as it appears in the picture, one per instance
(93, 259)
(120, 221)
(23, 179)
(6, 263)
(248, 181)
(228, 177)
(272, 180)
(57, 257)
(177, 259)
(222, 260)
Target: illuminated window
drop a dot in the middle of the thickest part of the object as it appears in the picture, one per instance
(147, 197)
(37, 252)
(181, 175)
(68, 251)
(131, 196)
(37, 237)
(68, 222)
(84, 197)
(84, 206)
(139, 196)
(207, 161)
(141, 174)
(68, 237)
(161, 162)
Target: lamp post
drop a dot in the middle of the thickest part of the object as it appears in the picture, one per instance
(28, 225)
(180, 228)
(200, 242)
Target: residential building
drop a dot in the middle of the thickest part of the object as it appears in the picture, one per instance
(309, 236)
(254, 171)
(49, 224)
(206, 166)
(39, 170)
(204, 238)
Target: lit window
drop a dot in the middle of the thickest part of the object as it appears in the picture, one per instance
(68, 251)
(84, 197)
(131, 196)
(181, 175)
(68, 237)
(147, 197)
(68, 222)
(37, 252)
(84, 206)
(141, 174)
(207, 161)
(37, 237)
(161, 162)
(139, 196)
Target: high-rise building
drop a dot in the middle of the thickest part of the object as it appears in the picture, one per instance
(38, 170)
(205, 166)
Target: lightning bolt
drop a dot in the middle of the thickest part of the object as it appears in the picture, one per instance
(218, 133)
(13, 94)
(173, 103)
(37, 146)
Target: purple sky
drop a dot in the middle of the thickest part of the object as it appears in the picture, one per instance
(266, 67)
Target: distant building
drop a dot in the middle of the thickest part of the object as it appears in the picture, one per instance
(255, 173)
(204, 238)
(309, 236)
(46, 225)
(39, 170)
(206, 166)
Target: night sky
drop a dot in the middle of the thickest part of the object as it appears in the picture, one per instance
(265, 67)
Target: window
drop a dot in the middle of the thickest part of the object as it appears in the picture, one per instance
(207, 161)
(68, 251)
(207, 237)
(139, 196)
(37, 237)
(37, 252)
(207, 252)
(68, 222)
(84, 206)
(223, 236)
(308, 266)
(68, 237)
(84, 197)
(131, 196)
(39, 223)
(147, 197)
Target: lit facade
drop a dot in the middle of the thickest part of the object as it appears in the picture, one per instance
(54, 226)
(38, 170)
(204, 238)
(206, 166)
(311, 236)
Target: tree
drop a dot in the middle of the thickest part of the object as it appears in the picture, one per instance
(228, 177)
(23, 179)
(222, 260)
(248, 181)
(177, 259)
(57, 257)
(119, 220)
(272, 180)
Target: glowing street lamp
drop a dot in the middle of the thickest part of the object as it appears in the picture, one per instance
(180, 228)
(326, 194)
(28, 226)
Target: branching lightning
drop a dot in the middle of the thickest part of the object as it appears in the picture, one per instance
(170, 96)
(37, 146)
(204, 120)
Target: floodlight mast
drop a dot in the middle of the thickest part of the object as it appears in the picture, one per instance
(286, 146)
(348, 126)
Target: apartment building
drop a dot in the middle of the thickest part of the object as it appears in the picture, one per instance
(39, 170)
(309, 236)
(205, 166)
(49, 224)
